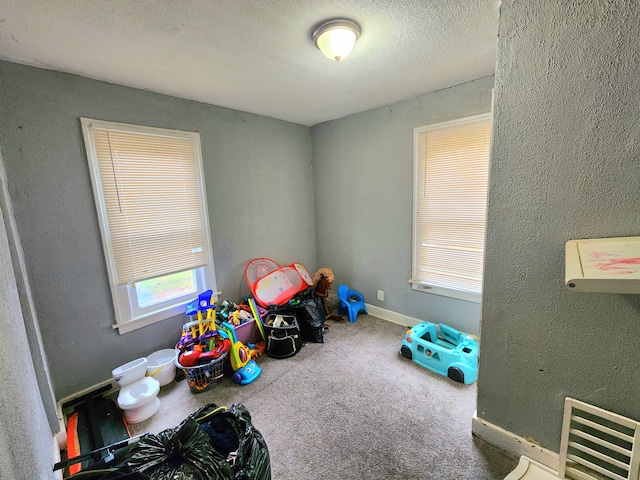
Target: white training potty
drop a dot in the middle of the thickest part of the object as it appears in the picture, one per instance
(138, 398)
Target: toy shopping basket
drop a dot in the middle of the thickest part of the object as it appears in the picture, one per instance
(203, 377)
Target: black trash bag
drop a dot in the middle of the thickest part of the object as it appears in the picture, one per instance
(108, 473)
(223, 436)
(231, 430)
(181, 453)
(308, 309)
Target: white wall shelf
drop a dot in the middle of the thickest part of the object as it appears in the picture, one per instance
(603, 265)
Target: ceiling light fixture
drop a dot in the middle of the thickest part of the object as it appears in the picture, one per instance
(336, 38)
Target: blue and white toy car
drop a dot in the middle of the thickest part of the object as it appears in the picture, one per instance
(452, 353)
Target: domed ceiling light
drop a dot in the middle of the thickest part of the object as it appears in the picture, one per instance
(336, 38)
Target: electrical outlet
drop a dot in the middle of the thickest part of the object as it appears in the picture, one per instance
(381, 295)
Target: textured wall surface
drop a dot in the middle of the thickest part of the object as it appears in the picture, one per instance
(363, 185)
(565, 165)
(258, 177)
(26, 442)
(28, 317)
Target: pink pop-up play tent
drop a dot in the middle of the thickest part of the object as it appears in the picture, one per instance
(272, 284)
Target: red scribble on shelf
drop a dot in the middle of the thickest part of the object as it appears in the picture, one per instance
(597, 255)
(619, 266)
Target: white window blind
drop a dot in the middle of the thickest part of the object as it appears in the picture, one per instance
(451, 177)
(149, 191)
(152, 203)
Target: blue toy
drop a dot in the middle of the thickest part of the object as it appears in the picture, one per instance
(202, 304)
(453, 354)
(350, 301)
(246, 370)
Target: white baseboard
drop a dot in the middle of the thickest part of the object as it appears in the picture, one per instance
(392, 317)
(512, 443)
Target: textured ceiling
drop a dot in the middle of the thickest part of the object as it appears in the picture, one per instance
(257, 55)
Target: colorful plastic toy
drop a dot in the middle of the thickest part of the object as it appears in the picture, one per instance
(246, 370)
(453, 354)
(197, 330)
(205, 353)
(258, 319)
(351, 302)
(202, 304)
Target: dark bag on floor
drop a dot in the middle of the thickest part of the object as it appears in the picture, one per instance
(251, 460)
(212, 443)
(283, 336)
(307, 307)
(181, 453)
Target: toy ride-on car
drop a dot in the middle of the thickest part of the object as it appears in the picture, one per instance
(452, 353)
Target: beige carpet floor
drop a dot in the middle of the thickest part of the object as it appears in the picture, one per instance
(352, 408)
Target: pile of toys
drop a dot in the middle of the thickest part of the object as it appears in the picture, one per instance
(287, 297)
(210, 337)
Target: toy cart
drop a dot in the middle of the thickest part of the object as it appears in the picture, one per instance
(451, 353)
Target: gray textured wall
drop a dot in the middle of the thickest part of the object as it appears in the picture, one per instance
(26, 442)
(363, 185)
(565, 165)
(258, 177)
(28, 317)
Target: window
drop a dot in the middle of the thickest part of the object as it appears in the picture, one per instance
(451, 169)
(149, 191)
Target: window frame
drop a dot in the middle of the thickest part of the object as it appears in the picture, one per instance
(418, 285)
(128, 315)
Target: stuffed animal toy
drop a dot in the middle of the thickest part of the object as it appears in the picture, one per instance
(322, 281)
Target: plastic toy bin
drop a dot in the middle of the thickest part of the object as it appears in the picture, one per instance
(248, 332)
(201, 378)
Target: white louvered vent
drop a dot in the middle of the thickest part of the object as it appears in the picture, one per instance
(597, 444)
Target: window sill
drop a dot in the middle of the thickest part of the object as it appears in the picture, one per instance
(141, 322)
(419, 286)
(151, 318)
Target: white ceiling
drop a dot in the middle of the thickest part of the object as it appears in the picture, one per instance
(257, 55)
